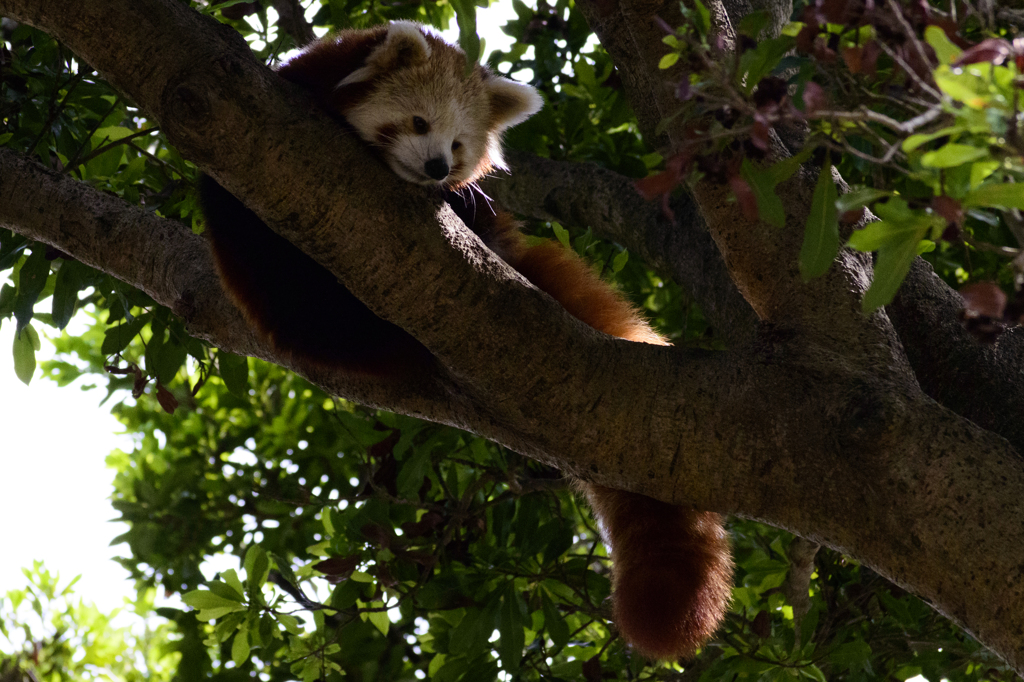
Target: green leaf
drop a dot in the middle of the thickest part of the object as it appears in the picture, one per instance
(862, 196)
(234, 370)
(821, 236)
(290, 623)
(70, 280)
(167, 360)
(963, 86)
(26, 343)
(915, 141)
(435, 664)
(230, 577)
(206, 615)
(981, 170)
(562, 235)
(668, 61)
(784, 169)
(769, 206)
(757, 63)
(754, 23)
(31, 282)
(620, 260)
(702, 22)
(379, 619)
(205, 599)
(257, 567)
(1005, 195)
(410, 477)
(117, 338)
(952, 155)
(558, 629)
(475, 628)
(284, 568)
(510, 627)
(891, 269)
(240, 647)
(465, 15)
(945, 50)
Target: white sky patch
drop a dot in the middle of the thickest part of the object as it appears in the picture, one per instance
(56, 507)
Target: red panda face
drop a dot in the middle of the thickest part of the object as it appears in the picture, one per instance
(427, 132)
(412, 99)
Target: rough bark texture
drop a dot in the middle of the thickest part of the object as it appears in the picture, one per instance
(817, 424)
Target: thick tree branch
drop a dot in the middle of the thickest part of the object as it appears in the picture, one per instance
(924, 496)
(976, 381)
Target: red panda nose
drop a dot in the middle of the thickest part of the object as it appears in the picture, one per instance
(436, 168)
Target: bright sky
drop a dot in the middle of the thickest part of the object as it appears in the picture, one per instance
(54, 485)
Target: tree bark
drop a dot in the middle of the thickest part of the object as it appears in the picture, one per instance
(817, 424)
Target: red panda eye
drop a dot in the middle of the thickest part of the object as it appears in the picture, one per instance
(456, 144)
(419, 125)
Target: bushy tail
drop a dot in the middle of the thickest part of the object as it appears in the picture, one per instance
(672, 571)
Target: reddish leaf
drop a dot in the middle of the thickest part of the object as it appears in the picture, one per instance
(140, 382)
(949, 208)
(852, 217)
(337, 567)
(656, 185)
(805, 38)
(869, 57)
(822, 52)
(241, 10)
(992, 50)
(426, 525)
(384, 576)
(422, 558)
(983, 299)
(854, 57)
(762, 625)
(683, 89)
(165, 398)
(770, 91)
(834, 11)
(951, 29)
(592, 669)
(815, 98)
(745, 197)
(760, 133)
(377, 535)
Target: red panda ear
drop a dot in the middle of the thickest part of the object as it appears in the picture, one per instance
(404, 46)
(510, 102)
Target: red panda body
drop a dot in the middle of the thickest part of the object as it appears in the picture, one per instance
(406, 93)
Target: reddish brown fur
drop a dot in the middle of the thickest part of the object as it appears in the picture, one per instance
(672, 571)
(671, 564)
(327, 62)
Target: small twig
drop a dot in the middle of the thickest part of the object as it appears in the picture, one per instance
(1007, 251)
(865, 114)
(124, 140)
(910, 72)
(909, 30)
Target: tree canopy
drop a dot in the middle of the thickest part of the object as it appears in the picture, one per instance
(790, 191)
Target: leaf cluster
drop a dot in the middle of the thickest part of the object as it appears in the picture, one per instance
(912, 102)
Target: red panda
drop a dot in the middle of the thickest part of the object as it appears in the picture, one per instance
(407, 94)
